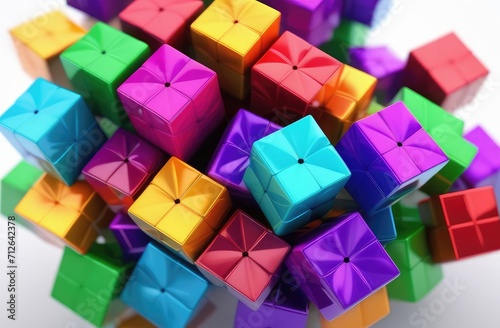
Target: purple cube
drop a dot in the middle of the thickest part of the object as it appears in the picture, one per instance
(382, 63)
(130, 237)
(368, 12)
(103, 10)
(232, 156)
(389, 155)
(286, 306)
(339, 264)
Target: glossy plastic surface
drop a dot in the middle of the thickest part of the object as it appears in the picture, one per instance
(130, 237)
(103, 10)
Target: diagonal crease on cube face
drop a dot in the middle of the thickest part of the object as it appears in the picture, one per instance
(130, 237)
(181, 208)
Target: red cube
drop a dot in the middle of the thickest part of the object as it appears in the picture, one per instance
(445, 71)
(462, 223)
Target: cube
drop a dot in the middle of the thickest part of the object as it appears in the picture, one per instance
(228, 33)
(122, 168)
(90, 284)
(446, 130)
(364, 315)
(40, 41)
(190, 91)
(292, 77)
(410, 253)
(232, 156)
(181, 208)
(286, 306)
(53, 129)
(389, 155)
(347, 35)
(168, 297)
(135, 322)
(295, 174)
(486, 165)
(98, 63)
(245, 258)
(462, 223)
(75, 214)
(340, 254)
(368, 12)
(103, 10)
(445, 71)
(130, 237)
(161, 22)
(382, 225)
(15, 185)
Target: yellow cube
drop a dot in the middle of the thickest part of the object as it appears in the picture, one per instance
(365, 314)
(40, 41)
(181, 208)
(75, 214)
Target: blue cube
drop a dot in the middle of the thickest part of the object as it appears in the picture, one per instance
(164, 289)
(382, 225)
(295, 174)
(53, 128)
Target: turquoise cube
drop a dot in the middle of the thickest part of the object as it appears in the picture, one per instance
(295, 174)
(53, 129)
(382, 225)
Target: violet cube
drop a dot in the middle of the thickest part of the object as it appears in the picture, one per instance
(232, 156)
(130, 237)
(389, 155)
(173, 101)
(339, 264)
(368, 12)
(103, 10)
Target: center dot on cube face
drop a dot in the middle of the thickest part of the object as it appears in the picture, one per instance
(400, 144)
(162, 290)
(160, 9)
(36, 111)
(236, 21)
(346, 260)
(295, 67)
(125, 160)
(177, 201)
(244, 254)
(300, 161)
(103, 52)
(167, 84)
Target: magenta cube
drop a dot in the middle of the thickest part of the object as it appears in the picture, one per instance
(130, 237)
(122, 168)
(103, 10)
(389, 155)
(173, 101)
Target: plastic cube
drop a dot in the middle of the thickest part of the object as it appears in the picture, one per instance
(389, 155)
(53, 129)
(40, 41)
(103, 10)
(246, 258)
(136, 321)
(368, 12)
(462, 223)
(382, 225)
(122, 168)
(130, 237)
(292, 77)
(228, 33)
(410, 253)
(347, 35)
(232, 156)
(190, 91)
(339, 264)
(15, 185)
(168, 297)
(445, 71)
(90, 284)
(181, 208)
(73, 214)
(98, 63)
(159, 22)
(295, 174)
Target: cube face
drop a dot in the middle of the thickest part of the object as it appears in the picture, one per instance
(295, 174)
(382, 225)
(389, 155)
(338, 254)
(103, 10)
(445, 71)
(347, 35)
(40, 41)
(291, 78)
(161, 22)
(181, 208)
(53, 129)
(246, 258)
(232, 155)
(188, 89)
(168, 297)
(130, 237)
(74, 214)
(364, 11)
(122, 168)
(97, 64)
(462, 223)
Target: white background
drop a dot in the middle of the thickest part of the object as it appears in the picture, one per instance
(410, 23)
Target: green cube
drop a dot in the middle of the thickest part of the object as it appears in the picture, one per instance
(347, 35)
(89, 284)
(410, 253)
(99, 63)
(374, 107)
(16, 184)
(447, 131)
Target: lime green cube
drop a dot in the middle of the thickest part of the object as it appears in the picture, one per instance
(347, 35)
(374, 107)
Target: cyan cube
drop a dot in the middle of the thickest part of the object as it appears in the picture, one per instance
(53, 129)
(382, 225)
(295, 174)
